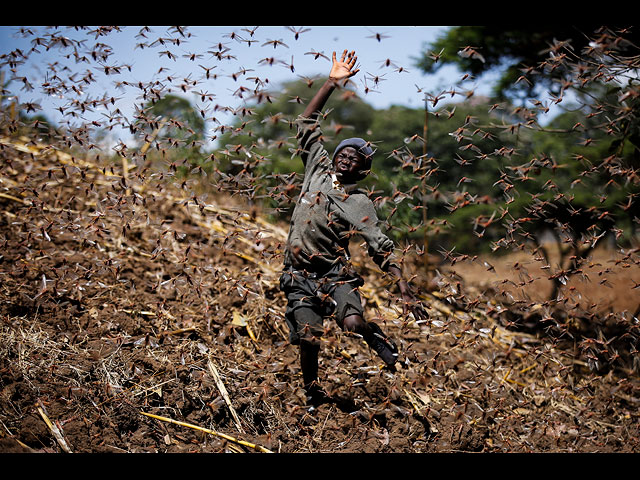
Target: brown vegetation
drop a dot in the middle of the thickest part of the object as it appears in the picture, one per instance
(122, 298)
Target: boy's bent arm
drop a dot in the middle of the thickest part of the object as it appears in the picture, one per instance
(410, 303)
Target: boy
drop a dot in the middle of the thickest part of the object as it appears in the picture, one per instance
(317, 278)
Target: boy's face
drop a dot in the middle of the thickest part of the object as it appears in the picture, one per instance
(348, 163)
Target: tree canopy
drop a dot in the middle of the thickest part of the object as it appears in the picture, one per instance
(517, 52)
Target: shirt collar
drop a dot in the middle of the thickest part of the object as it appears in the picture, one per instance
(345, 187)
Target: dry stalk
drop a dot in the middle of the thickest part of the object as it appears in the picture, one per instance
(212, 432)
(225, 394)
(178, 331)
(57, 433)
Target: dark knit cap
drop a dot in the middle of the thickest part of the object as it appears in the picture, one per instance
(363, 147)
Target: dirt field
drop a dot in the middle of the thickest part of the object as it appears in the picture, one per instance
(121, 300)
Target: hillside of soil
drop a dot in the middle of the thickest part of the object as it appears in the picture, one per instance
(136, 316)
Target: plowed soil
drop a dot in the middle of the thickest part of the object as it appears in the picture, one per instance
(123, 297)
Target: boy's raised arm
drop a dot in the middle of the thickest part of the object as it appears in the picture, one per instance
(340, 71)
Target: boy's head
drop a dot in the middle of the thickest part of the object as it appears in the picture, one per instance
(352, 159)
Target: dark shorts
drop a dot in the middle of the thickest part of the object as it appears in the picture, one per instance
(312, 297)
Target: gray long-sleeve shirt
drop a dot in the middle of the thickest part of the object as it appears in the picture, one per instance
(328, 214)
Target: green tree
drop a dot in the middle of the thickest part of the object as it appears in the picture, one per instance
(521, 54)
(590, 154)
(175, 130)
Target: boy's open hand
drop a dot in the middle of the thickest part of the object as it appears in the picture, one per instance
(410, 304)
(343, 69)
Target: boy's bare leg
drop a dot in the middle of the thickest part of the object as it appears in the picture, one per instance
(374, 336)
(309, 362)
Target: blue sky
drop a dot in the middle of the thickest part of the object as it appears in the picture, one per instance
(400, 81)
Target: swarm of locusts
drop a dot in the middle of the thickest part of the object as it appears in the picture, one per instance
(153, 254)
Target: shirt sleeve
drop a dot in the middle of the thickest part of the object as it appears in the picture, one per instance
(362, 216)
(310, 145)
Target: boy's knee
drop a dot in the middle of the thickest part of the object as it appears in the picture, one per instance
(354, 323)
(310, 344)
(310, 336)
